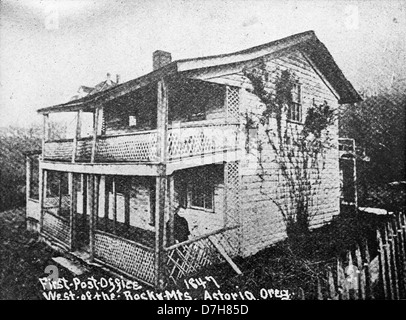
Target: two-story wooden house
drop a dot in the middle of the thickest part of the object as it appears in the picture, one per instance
(177, 136)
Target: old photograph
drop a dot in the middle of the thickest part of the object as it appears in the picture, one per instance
(222, 151)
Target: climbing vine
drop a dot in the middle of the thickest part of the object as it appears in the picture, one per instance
(299, 149)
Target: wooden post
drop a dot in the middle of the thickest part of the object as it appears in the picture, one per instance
(91, 200)
(159, 228)
(352, 278)
(368, 280)
(106, 203)
(114, 205)
(45, 134)
(127, 203)
(162, 120)
(84, 198)
(161, 180)
(361, 275)
(331, 287)
(403, 224)
(73, 210)
(77, 135)
(393, 253)
(388, 264)
(41, 195)
(171, 187)
(60, 175)
(96, 199)
(355, 177)
(401, 250)
(319, 291)
(28, 174)
(401, 257)
(95, 129)
(342, 281)
(382, 264)
(226, 190)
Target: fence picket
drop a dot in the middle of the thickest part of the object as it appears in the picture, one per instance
(399, 255)
(319, 291)
(382, 264)
(364, 278)
(352, 277)
(388, 259)
(361, 275)
(392, 246)
(402, 240)
(342, 281)
(368, 276)
(331, 287)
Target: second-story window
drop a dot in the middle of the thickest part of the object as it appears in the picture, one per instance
(132, 121)
(295, 108)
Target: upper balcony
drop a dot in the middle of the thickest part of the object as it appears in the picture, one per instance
(201, 121)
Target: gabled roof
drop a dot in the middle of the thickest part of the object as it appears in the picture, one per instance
(306, 42)
(104, 85)
(86, 89)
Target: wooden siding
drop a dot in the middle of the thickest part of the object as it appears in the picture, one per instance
(261, 218)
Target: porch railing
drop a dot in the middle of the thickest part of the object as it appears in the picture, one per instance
(187, 140)
(125, 255)
(59, 150)
(140, 146)
(186, 258)
(57, 227)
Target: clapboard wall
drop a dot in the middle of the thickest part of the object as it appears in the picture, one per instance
(264, 191)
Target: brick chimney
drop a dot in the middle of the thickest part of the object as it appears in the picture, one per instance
(160, 59)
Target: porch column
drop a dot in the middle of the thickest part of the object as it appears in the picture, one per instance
(114, 205)
(171, 187)
(355, 175)
(96, 199)
(43, 176)
(127, 203)
(73, 191)
(91, 207)
(45, 133)
(28, 174)
(60, 192)
(161, 180)
(42, 195)
(95, 129)
(84, 198)
(77, 134)
(106, 197)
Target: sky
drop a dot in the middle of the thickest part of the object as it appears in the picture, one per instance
(50, 48)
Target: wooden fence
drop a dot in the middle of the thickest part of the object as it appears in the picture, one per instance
(365, 276)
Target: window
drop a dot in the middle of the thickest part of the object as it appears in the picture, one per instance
(201, 189)
(132, 121)
(295, 109)
(202, 196)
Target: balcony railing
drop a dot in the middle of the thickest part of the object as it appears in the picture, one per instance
(185, 140)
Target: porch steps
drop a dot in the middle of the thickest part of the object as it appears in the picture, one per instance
(70, 265)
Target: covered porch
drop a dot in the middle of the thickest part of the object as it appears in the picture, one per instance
(127, 222)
